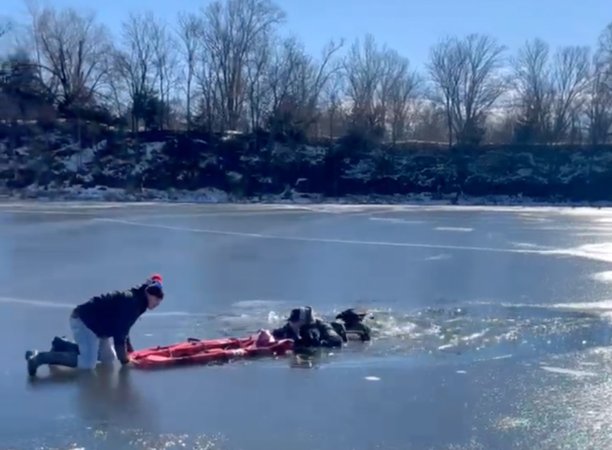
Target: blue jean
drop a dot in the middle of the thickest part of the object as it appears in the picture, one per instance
(91, 348)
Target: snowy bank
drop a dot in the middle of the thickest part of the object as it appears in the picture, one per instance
(177, 167)
(216, 196)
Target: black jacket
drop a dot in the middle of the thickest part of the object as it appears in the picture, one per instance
(316, 334)
(112, 315)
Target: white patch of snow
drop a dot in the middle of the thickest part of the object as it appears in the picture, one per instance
(457, 229)
(151, 148)
(524, 172)
(361, 171)
(85, 156)
(526, 245)
(599, 252)
(234, 177)
(575, 373)
(22, 151)
(397, 221)
(603, 277)
(439, 257)
(210, 160)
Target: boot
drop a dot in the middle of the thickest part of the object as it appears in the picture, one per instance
(35, 359)
(62, 344)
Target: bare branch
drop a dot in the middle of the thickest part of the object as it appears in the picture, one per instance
(135, 61)
(5, 27)
(570, 81)
(532, 82)
(466, 73)
(190, 31)
(73, 54)
(232, 32)
(363, 68)
(165, 62)
(599, 107)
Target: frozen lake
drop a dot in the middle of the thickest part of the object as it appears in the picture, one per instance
(493, 325)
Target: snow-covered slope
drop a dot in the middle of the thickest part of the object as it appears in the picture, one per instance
(217, 170)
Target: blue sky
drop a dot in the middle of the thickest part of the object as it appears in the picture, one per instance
(409, 26)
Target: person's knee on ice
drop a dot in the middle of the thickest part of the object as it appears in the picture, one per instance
(102, 317)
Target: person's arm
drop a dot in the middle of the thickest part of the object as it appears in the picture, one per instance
(285, 332)
(366, 332)
(125, 310)
(340, 329)
(128, 344)
(120, 343)
(121, 338)
(329, 338)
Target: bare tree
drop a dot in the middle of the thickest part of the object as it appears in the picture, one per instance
(5, 27)
(135, 62)
(532, 82)
(209, 99)
(231, 33)
(430, 121)
(73, 54)
(604, 56)
(333, 112)
(323, 73)
(466, 74)
(599, 107)
(297, 82)
(446, 65)
(402, 85)
(258, 94)
(165, 61)
(190, 31)
(570, 81)
(287, 56)
(380, 86)
(363, 69)
(551, 92)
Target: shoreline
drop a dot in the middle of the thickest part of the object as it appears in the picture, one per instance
(213, 196)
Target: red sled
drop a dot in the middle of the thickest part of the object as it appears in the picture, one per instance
(195, 351)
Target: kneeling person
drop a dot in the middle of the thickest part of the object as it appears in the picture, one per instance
(97, 321)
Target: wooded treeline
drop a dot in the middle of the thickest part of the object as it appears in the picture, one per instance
(227, 68)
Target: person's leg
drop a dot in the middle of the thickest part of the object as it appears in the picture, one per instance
(35, 359)
(106, 351)
(63, 344)
(86, 358)
(87, 342)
